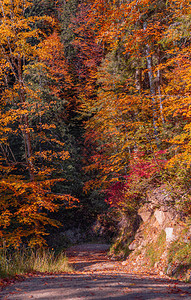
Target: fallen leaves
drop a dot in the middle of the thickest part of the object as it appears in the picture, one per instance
(96, 277)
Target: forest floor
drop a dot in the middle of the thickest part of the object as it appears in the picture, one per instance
(97, 277)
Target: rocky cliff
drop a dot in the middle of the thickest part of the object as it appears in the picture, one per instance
(162, 242)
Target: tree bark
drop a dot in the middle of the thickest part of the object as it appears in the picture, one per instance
(151, 83)
(25, 125)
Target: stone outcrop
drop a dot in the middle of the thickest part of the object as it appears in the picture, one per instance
(162, 224)
(157, 214)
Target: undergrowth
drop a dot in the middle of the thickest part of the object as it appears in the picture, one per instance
(154, 250)
(179, 256)
(17, 262)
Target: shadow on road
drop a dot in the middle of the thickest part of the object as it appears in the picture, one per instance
(97, 287)
(96, 278)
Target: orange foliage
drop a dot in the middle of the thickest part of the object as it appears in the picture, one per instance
(26, 183)
(143, 97)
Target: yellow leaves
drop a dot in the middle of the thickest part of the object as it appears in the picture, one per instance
(48, 126)
(188, 127)
(57, 142)
(68, 200)
(33, 76)
(177, 106)
(50, 47)
(5, 217)
(30, 198)
(63, 155)
(44, 172)
(49, 155)
(51, 52)
(91, 185)
(16, 31)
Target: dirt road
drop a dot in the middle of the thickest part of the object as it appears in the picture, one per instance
(95, 277)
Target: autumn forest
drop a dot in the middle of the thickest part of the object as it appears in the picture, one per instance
(95, 110)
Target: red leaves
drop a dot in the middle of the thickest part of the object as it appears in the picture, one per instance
(140, 169)
(141, 166)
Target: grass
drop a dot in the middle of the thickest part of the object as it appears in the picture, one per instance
(155, 249)
(179, 256)
(120, 247)
(23, 261)
(180, 252)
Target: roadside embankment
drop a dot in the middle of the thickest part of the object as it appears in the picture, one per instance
(163, 240)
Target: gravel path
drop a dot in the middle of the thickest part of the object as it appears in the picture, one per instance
(96, 277)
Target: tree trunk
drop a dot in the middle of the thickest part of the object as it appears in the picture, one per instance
(25, 125)
(151, 84)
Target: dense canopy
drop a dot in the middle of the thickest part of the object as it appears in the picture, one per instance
(95, 100)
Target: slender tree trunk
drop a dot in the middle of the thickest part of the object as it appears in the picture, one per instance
(151, 84)
(159, 90)
(138, 79)
(25, 125)
(4, 154)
